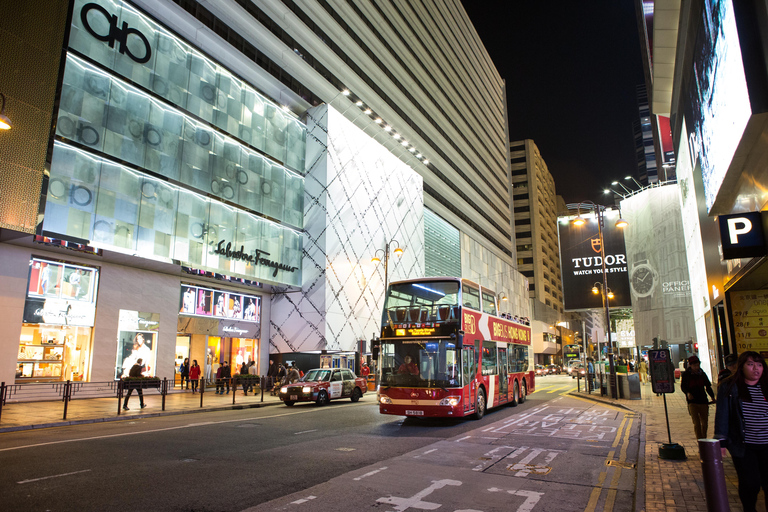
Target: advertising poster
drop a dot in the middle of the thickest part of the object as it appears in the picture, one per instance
(581, 262)
(60, 294)
(658, 266)
(219, 304)
(750, 320)
(625, 333)
(136, 339)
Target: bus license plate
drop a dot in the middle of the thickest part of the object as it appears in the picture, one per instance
(414, 413)
(294, 397)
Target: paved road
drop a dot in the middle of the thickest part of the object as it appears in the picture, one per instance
(549, 452)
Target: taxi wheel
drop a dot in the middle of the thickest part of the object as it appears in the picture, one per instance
(480, 405)
(356, 394)
(289, 403)
(322, 398)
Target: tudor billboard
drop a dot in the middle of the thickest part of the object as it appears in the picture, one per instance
(581, 262)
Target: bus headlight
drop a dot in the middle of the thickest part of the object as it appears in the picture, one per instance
(306, 389)
(452, 401)
(283, 390)
(384, 399)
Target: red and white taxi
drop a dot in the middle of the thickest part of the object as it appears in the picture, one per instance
(322, 385)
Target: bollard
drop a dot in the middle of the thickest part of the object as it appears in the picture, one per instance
(119, 395)
(714, 476)
(263, 383)
(202, 390)
(2, 397)
(578, 382)
(164, 390)
(67, 396)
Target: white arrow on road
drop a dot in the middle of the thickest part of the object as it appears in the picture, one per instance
(415, 500)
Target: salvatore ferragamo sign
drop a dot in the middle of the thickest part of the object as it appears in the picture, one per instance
(256, 258)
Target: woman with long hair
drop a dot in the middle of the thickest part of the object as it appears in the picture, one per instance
(741, 425)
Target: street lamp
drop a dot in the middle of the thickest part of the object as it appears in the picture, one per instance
(397, 251)
(620, 223)
(633, 179)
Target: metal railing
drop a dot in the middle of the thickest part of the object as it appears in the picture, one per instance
(68, 390)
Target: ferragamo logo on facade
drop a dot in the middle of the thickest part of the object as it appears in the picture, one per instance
(115, 34)
(256, 258)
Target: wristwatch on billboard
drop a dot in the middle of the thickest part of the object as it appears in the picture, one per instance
(642, 279)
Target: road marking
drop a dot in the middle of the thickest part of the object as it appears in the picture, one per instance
(425, 453)
(167, 429)
(594, 496)
(52, 476)
(305, 432)
(559, 388)
(531, 498)
(525, 468)
(371, 473)
(303, 500)
(463, 438)
(415, 500)
(611, 498)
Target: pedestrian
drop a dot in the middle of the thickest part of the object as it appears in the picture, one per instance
(226, 375)
(293, 375)
(252, 370)
(219, 381)
(244, 372)
(696, 386)
(194, 375)
(365, 371)
(731, 363)
(184, 372)
(741, 425)
(271, 375)
(281, 373)
(591, 372)
(642, 369)
(135, 371)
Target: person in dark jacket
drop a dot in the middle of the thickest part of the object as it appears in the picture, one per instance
(184, 372)
(135, 371)
(696, 386)
(244, 371)
(731, 363)
(741, 425)
(226, 375)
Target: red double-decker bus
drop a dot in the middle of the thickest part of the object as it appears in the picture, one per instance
(446, 352)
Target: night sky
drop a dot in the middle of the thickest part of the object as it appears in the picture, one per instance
(571, 69)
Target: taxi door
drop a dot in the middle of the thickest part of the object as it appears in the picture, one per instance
(336, 384)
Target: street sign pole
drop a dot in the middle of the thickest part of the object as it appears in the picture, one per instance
(663, 382)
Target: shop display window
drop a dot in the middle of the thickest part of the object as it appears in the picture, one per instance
(243, 350)
(53, 352)
(219, 304)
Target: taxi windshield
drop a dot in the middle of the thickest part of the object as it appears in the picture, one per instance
(317, 376)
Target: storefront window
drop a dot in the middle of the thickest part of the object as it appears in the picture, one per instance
(243, 351)
(136, 339)
(55, 341)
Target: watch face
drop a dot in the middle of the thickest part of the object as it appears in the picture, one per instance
(642, 281)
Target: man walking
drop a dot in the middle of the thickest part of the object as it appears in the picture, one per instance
(135, 371)
(696, 386)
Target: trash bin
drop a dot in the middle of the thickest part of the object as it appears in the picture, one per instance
(633, 381)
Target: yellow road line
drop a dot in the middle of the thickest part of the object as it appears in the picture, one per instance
(595, 494)
(559, 388)
(612, 492)
(542, 388)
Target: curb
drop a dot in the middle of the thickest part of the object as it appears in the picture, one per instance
(639, 503)
(123, 417)
(602, 400)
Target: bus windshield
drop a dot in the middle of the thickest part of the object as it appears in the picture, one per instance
(429, 301)
(420, 363)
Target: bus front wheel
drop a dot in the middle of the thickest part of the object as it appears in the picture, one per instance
(480, 405)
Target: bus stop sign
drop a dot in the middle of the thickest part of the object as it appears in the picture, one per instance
(662, 371)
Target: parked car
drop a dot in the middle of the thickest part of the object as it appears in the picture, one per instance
(322, 385)
(540, 370)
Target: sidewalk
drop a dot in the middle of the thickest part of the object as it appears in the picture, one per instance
(34, 415)
(672, 485)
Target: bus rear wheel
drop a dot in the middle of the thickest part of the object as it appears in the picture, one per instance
(523, 393)
(480, 405)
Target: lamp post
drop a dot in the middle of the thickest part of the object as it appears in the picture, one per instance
(621, 223)
(397, 250)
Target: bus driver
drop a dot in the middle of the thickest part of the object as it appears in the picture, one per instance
(408, 367)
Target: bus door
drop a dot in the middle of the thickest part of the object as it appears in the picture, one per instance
(503, 375)
(468, 371)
